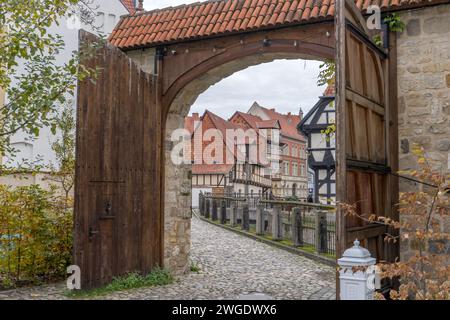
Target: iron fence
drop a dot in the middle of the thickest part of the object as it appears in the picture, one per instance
(315, 228)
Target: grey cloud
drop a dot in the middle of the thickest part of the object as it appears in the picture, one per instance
(285, 85)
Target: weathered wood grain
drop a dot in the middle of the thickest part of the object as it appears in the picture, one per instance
(118, 170)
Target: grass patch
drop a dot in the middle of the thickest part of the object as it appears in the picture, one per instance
(308, 248)
(195, 268)
(158, 277)
(287, 242)
(305, 247)
(268, 236)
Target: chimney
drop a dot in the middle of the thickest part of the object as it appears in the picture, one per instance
(300, 113)
(196, 116)
(289, 113)
(140, 6)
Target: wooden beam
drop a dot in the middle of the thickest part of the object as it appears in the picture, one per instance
(366, 232)
(365, 102)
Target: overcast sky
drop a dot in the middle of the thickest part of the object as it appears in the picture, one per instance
(285, 85)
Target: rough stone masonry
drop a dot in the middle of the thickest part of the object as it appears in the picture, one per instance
(424, 94)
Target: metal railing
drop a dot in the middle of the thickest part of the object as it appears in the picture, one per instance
(302, 224)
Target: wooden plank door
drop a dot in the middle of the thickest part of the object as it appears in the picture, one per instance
(117, 193)
(366, 133)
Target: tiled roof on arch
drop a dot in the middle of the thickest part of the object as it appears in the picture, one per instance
(130, 5)
(217, 17)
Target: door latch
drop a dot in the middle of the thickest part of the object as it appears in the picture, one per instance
(107, 212)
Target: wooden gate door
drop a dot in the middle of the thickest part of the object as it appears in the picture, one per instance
(366, 133)
(117, 193)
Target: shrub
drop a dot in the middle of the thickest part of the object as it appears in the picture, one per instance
(35, 235)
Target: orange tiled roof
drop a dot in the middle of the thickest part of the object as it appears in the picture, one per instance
(256, 122)
(268, 124)
(189, 122)
(216, 17)
(211, 168)
(288, 123)
(130, 5)
(222, 125)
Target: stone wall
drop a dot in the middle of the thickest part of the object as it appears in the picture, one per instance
(424, 93)
(177, 204)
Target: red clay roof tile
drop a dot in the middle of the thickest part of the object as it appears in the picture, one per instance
(211, 168)
(200, 19)
(129, 5)
(288, 123)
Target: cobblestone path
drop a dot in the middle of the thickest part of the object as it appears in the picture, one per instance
(231, 267)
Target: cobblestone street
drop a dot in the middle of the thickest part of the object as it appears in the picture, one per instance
(231, 267)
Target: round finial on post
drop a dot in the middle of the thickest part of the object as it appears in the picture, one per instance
(354, 284)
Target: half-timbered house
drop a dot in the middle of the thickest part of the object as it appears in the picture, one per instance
(292, 178)
(219, 176)
(321, 146)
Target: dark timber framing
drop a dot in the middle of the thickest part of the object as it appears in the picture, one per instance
(310, 125)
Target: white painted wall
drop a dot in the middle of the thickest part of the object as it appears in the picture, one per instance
(24, 153)
(196, 193)
(108, 14)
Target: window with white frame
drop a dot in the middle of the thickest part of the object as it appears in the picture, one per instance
(295, 169)
(286, 150)
(286, 168)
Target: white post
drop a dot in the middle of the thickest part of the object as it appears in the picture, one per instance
(356, 284)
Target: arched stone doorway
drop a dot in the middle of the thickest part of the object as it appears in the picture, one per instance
(139, 177)
(177, 201)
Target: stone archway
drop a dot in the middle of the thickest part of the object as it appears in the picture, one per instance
(182, 72)
(177, 183)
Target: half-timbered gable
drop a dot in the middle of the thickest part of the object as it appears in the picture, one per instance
(321, 147)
